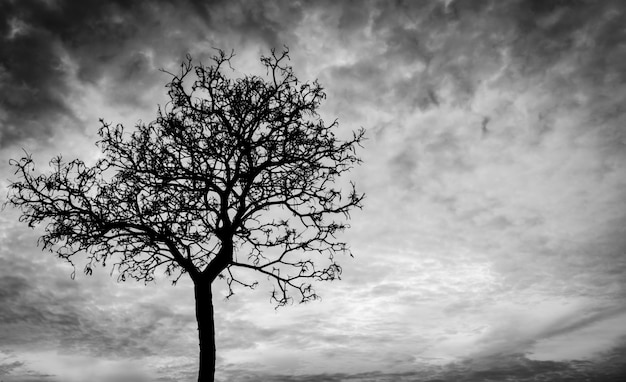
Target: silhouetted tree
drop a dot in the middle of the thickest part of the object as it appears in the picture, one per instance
(233, 175)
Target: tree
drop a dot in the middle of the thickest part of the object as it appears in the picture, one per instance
(233, 176)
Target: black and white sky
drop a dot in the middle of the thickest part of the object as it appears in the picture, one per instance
(492, 245)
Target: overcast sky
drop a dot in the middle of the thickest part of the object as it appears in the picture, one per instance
(492, 245)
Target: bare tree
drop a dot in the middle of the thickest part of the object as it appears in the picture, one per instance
(234, 175)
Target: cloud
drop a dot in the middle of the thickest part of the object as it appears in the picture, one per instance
(77, 368)
(43, 309)
(51, 51)
(494, 170)
(32, 76)
(35, 71)
(512, 367)
(6, 368)
(511, 189)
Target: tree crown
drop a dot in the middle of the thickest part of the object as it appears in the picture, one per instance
(232, 174)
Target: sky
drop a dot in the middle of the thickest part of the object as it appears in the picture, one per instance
(492, 242)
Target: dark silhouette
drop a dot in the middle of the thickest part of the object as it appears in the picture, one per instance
(234, 175)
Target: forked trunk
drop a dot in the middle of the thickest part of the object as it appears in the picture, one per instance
(206, 330)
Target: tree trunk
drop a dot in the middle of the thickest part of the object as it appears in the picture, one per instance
(206, 329)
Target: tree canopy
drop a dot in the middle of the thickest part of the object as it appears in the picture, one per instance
(234, 174)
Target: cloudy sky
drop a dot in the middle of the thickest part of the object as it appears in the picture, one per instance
(492, 245)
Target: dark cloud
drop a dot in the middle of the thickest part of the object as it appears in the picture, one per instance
(445, 52)
(6, 368)
(551, 29)
(459, 44)
(613, 361)
(37, 40)
(503, 367)
(268, 22)
(32, 80)
(45, 46)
